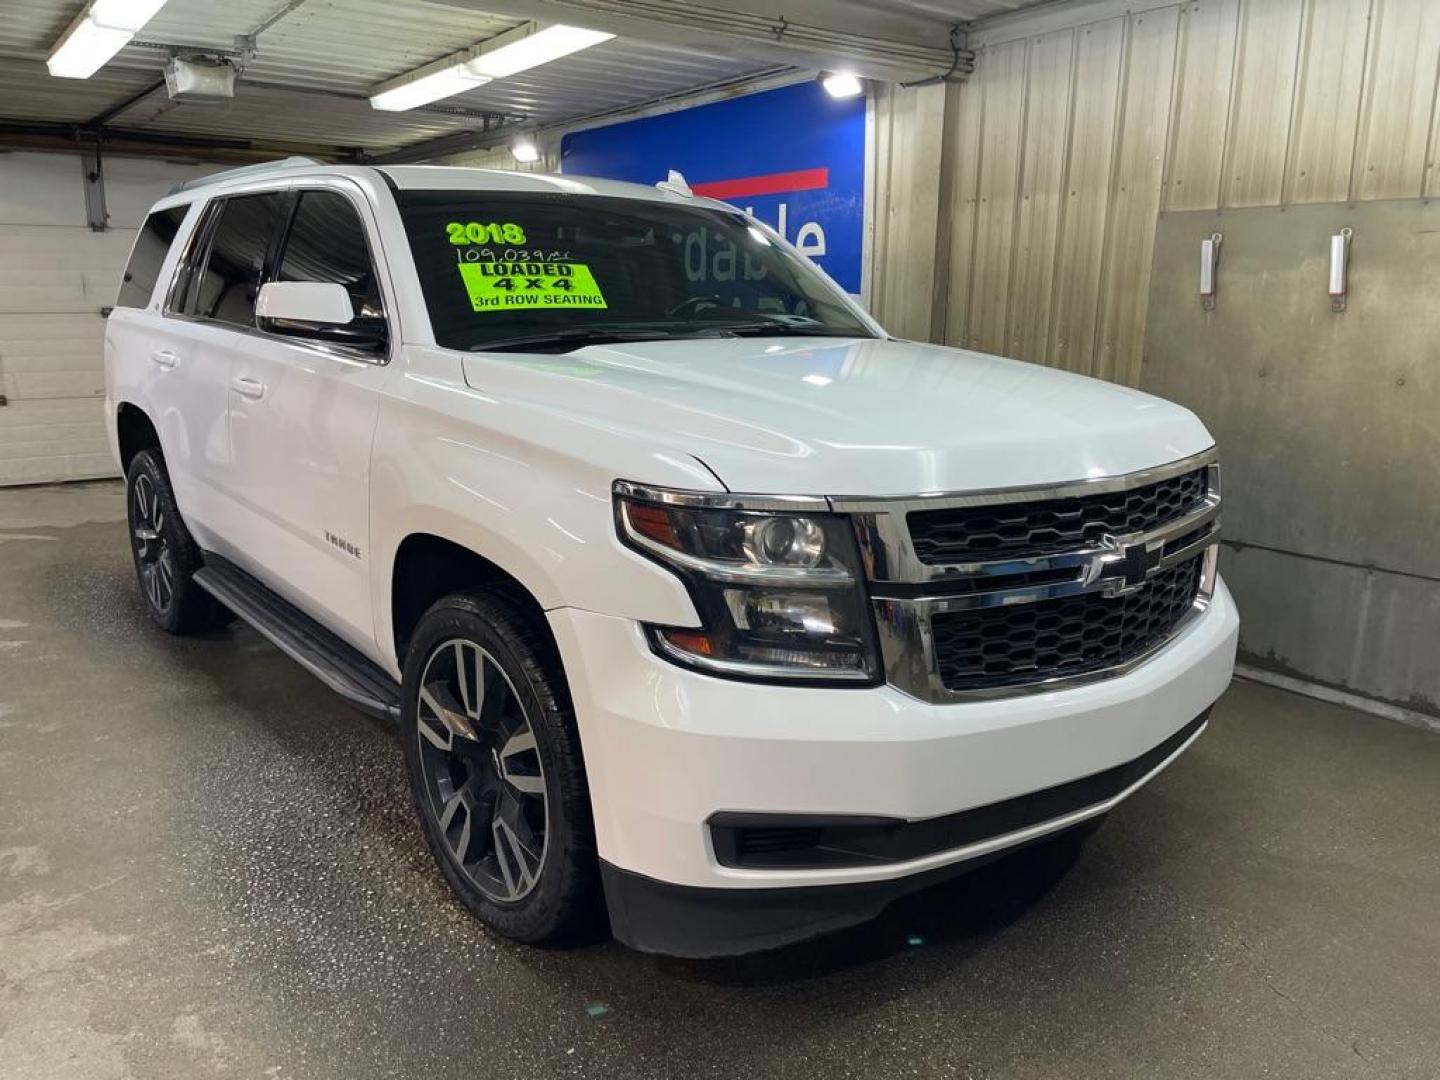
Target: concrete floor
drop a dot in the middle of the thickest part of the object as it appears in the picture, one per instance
(208, 867)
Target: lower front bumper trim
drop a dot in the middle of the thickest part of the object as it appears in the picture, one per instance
(701, 922)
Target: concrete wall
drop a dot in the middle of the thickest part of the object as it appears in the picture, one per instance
(1329, 427)
(1078, 168)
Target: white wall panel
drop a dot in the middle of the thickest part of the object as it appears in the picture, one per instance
(56, 275)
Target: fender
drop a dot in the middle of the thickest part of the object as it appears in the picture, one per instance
(451, 462)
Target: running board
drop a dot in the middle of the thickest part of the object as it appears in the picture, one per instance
(334, 662)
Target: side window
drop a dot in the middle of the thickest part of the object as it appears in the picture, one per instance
(223, 287)
(148, 254)
(326, 243)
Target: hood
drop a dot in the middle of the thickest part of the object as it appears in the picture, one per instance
(847, 417)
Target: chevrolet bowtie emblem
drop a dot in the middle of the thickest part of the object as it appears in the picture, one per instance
(1122, 568)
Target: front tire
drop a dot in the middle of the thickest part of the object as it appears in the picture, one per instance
(166, 556)
(495, 768)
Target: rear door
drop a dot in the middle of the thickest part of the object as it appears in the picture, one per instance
(303, 408)
(209, 319)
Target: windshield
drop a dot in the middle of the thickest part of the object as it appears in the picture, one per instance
(554, 272)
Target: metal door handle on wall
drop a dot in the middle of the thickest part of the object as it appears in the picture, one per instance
(1339, 264)
(1209, 257)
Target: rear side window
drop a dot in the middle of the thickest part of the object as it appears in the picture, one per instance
(225, 280)
(148, 255)
(327, 243)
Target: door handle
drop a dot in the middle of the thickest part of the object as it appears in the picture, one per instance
(164, 358)
(253, 389)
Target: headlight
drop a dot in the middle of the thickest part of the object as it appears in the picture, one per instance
(780, 593)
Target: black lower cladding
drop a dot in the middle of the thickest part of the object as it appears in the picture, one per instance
(808, 842)
(1017, 644)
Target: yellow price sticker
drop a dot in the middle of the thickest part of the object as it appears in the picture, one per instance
(501, 286)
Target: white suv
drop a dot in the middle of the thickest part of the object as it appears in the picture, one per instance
(684, 582)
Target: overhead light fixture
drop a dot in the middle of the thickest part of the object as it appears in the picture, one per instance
(842, 84)
(97, 34)
(524, 150)
(514, 51)
(427, 88)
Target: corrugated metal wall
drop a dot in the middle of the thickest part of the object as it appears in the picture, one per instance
(1088, 126)
(1081, 123)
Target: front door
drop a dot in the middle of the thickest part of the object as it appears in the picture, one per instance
(303, 406)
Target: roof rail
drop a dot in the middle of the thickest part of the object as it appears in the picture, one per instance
(293, 162)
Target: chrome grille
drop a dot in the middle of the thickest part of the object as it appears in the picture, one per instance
(1005, 592)
(966, 533)
(1070, 635)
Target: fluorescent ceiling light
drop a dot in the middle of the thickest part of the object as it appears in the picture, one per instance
(102, 30)
(534, 49)
(514, 51)
(125, 14)
(525, 150)
(427, 88)
(842, 84)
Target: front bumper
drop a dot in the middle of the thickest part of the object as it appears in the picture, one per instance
(666, 749)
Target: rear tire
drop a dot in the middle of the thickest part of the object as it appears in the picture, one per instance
(166, 556)
(495, 767)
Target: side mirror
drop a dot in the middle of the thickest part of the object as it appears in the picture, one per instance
(318, 311)
(305, 301)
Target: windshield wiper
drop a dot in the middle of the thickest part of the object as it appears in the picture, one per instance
(571, 337)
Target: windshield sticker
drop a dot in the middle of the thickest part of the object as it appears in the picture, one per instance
(484, 232)
(498, 286)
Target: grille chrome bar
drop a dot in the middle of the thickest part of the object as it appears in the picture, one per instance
(908, 593)
(994, 572)
(884, 534)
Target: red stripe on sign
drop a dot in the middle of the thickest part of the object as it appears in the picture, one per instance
(769, 184)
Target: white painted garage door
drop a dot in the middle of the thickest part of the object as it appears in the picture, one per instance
(55, 277)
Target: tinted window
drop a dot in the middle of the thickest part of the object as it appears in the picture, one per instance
(501, 265)
(225, 289)
(146, 257)
(327, 243)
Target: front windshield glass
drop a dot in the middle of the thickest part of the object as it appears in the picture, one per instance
(548, 271)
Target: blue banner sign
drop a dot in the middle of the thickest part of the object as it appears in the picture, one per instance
(793, 157)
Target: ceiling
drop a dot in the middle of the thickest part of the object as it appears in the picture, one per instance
(304, 88)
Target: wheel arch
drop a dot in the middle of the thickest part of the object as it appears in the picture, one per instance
(134, 432)
(427, 567)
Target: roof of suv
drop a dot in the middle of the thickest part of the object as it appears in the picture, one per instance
(429, 178)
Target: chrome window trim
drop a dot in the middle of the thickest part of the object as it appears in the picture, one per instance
(328, 350)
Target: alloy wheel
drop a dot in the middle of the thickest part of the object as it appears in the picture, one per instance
(152, 552)
(482, 770)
